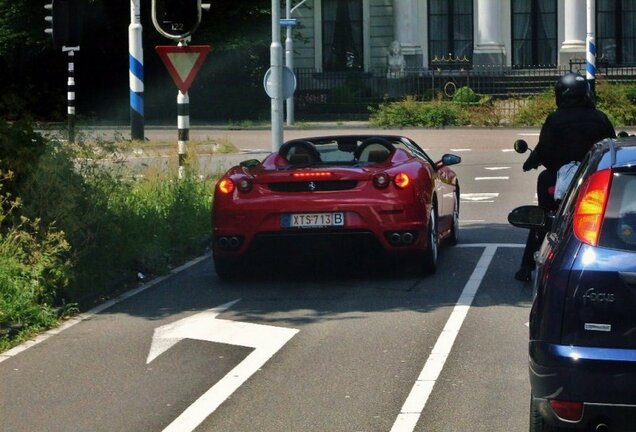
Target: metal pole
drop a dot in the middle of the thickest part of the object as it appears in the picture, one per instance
(289, 62)
(70, 96)
(183, 125)
(276, 60)
(136, 72)
(590, 43)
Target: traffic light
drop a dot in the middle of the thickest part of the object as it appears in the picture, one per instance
(176, 19)
(65, 22)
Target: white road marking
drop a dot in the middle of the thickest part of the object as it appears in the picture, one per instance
(529, 134)
(492, 178)
(416, 401)
(481, 196)
(507, 150)
(417, 398)
(496, 168)
(266, 341)
(461, 150)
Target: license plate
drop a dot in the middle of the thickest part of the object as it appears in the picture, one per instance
(311, 220)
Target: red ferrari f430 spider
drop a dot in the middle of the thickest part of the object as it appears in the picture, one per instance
(334, 194)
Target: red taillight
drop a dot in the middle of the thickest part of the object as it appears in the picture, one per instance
(381, 180)
(567, 410)
(402, 180)
(590, 207)
(226, 186)
(312, 174)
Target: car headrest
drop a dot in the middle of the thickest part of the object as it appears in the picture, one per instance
(300, 159)
(377, 156)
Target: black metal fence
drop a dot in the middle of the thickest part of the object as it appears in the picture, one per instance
(352, 93)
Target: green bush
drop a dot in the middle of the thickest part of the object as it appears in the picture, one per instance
(411, 113)
(465, 95)
(34, 268)
(20, 149)
(618, 102)
(535, 110)
(117, 225)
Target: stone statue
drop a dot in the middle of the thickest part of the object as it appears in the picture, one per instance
(395, 61)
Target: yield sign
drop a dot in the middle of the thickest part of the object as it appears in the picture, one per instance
(183, 62)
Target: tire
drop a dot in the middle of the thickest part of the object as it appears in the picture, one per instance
(432, 248)
(453, 239)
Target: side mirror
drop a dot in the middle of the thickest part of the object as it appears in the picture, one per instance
(521, 146)
(531, 217)
(449, 159)
(250, 163)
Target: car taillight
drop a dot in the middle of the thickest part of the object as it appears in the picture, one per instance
(402, 180)
(567, 410)
(226, 186)
(590, 207)
(381, 180)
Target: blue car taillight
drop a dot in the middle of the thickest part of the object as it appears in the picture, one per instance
(590, 207)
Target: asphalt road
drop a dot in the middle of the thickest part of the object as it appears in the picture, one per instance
(356, 348)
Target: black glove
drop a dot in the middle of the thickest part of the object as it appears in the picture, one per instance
(527, 165)
(531, 162)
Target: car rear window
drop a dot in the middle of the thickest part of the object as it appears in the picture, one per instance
(619, 226)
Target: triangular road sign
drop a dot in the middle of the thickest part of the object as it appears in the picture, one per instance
(183, 62)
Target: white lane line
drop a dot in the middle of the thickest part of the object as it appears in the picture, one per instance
(492, 178)
(506, 150)
(480, 196)
(416, 400)
(496, 168)
(529, 134)
(461, 150)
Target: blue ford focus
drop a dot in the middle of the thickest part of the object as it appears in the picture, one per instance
(582, 345)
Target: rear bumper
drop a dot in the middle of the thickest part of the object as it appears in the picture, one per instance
(616, 417)
(602, 378)
(260, 228)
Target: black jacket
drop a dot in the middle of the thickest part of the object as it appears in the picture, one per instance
(567, 135)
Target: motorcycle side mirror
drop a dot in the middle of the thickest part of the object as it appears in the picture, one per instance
(521, 146)
(532, 217)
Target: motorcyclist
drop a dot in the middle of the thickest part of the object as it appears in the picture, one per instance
(566, 135)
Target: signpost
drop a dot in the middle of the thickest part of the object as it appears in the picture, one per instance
(177, 20)
(183, 62)
(136, 72)
(590, 46)
(276, 67)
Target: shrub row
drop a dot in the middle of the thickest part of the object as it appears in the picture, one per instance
(618, 101)
(74, 231)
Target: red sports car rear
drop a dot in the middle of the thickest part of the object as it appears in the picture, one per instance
(333, 194)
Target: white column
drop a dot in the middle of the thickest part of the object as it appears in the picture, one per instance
(489, 47)
(574, 30)
(405, 26)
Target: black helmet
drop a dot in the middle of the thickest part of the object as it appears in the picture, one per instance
(572, 89)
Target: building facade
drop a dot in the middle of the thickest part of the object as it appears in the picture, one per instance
(355, 35)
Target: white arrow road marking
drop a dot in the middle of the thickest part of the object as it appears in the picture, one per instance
(266, 341)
